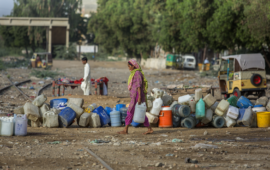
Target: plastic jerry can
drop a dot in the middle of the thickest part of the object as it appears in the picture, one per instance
(104, 118)
(43, 109)
(232, 100)
(66, 117)
(50, 119)
(85, 119)
(40, 100)
(139, 113)
(233, 112)
(94, 120)
(214, 106)
(115, 118)
(192, 105)
(248, 117)
(55, 102)
(198, 95)
(181, 110)
(19, 110)
(167, 100)
(165, 117)
(35, 123)
(262, 101)
(21, 125)
(229, 122)
(78, 110)
(108, 111)
(151, 118)
(77, 101)
(184, 100)
(258, 108)
(218, 121)
(157, 104)
(208, 116)
(243, 102)
(173, 103)
(189, 122)
(209, 100)
(240, 117)
(6, 128)
(31, 111)
(176, 121)
(222, 107)
(134, 124)
(157, 93)
(200, 109)
(119, 106)
(149, 105)
(123, 112)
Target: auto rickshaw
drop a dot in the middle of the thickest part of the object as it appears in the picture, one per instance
(41, 60)
(242, 75)
(173, 61)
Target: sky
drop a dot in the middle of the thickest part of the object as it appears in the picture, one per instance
(5, 7)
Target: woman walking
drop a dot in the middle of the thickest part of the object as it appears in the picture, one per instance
(137, 85)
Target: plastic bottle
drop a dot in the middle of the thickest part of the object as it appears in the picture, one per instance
(115, 118)
(218, 121)
(198, 95)
(139, 113)
(123, 112)
(92, 106)
(157, 104)
(200, 109)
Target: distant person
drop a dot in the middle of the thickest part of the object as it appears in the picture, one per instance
(206, 61)
(93, 57)
(86, 82)
(137, 86)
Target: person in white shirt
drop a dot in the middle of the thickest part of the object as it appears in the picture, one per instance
(86, 84)
(206, 61)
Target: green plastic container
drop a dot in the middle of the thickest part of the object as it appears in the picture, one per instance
(200, 109)
(233, 100)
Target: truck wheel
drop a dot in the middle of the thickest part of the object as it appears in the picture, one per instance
(256, 79)
(237, 93)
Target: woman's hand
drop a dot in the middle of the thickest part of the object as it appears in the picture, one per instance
(139, 101)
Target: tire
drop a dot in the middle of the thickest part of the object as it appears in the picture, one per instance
(237, 93)
(256, 80)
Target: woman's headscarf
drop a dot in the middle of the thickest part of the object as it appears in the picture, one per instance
(132, 73)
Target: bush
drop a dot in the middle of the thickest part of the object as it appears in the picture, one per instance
(44, 73)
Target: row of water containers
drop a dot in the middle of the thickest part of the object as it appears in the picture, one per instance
(16, 125)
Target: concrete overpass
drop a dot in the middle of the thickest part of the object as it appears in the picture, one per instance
(57, 28)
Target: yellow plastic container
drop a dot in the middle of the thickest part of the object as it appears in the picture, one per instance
(200, 65)
(263, 119)
(207, 67)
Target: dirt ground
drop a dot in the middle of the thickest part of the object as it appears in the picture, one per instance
(235, 148)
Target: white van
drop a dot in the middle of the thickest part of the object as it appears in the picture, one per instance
(189, 62)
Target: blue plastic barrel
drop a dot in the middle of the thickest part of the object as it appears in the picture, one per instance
(243, 102)
(55, 102)
(119, 106)
(134, 124)
(66, 117)
(108, 111)
(115, 118)
(123, 112)
(104, 118)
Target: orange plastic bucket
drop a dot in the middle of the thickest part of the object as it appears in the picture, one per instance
(207, 67)
(165, 117)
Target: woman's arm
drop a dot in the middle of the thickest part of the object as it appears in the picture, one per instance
(139, 97)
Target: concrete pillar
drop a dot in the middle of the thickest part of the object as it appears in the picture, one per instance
(50, 40)
(67, 37)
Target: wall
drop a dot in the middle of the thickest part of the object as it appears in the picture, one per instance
(157, 63)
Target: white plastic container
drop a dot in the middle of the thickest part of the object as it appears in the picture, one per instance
(50, 119)
(77, 101)
(262, 101)
(92, 106)
(233, 112)
(31, 111)
(222, 107)
(43, 109)
(208, 116)
(198, 94)
(157, 93)
(94, 120)
(6, 128)
(151, 118)
(40, 100)
(78, 110)
(167, 100)
(209, 100)
(85, 119)
(139, 113)
(248, 117)
(21, 125)
(258, 109)
(173, 103)
(149, 105)
(157, 104)
(229, 122)
(192, 105)
(184, 100)
(19, 110)
(214, 106)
